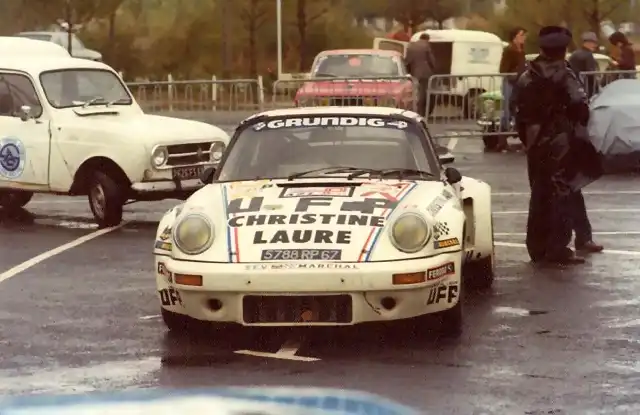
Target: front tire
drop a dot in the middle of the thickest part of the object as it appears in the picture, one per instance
(480, 274)
(176, 322)
(451, 320)
(14, 199)
(106, 200)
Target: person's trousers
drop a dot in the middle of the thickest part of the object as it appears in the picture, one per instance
(579, 219)
(549, 225)
(423, 92)
(505, 119)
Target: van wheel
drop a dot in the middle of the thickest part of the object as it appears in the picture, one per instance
(14, 199)
(106, 200)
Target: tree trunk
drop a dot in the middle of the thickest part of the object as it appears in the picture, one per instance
(253, 50)
(301, 20)
(111, 43)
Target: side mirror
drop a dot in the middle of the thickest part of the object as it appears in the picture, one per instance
(25, 113)
(207, 175)
(453, 175)
(446, 158)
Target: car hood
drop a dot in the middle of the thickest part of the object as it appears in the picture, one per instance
(316, 220)
(148, 129)
(364, 87)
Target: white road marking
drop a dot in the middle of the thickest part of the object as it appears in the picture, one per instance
(593, 192)
(286, 352)
(55, 251)
(524, 212)
(152, 317)
(453, 141)
(595, 233)
(606, 251)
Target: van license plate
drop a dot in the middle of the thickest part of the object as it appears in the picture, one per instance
(187, 173)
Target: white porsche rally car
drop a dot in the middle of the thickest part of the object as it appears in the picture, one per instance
(326, 216)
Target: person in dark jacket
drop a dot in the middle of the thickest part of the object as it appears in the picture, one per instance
(549, 104)
(582, 61)
(624, 59)
(421, 65)
(512, 62)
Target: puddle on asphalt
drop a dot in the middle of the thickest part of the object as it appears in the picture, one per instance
(78, 379)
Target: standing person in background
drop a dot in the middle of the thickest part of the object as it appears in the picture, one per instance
(512, 61)
(421, 65)
(581, 61)
(624, 59)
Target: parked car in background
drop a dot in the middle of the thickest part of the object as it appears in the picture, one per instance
(491, 102)
(356, 77)
(78, 50)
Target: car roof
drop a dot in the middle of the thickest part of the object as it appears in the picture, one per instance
(458, 35)
(381, 52)
(25, 47)
(346, 111)
(36, 66)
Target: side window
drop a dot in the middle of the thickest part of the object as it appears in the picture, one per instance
(17, 90)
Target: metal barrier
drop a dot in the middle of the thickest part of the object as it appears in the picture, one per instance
(472, 105)
(173, 96)
(360, 91)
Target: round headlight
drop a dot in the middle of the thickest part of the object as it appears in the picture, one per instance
(194, 234)
(216, 151)
(159, 156)
(410, 233)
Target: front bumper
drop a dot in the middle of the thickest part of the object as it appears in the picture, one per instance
(295, 294)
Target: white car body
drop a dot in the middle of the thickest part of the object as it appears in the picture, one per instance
(235, 268)
(60, 148)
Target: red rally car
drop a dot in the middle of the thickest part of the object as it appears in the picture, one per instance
(357, 77)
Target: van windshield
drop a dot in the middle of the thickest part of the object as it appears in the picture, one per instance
(76, 87)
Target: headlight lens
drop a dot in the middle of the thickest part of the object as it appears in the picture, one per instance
(216, 152)
(159, 156)
(410, 233)
(194, 234)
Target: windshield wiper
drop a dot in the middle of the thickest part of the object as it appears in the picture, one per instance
(92, 101)
(401, 172)
(327, 75)
(330, 170)
(113, 101)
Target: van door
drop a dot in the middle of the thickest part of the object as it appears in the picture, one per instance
(24, 145)
(383, 43)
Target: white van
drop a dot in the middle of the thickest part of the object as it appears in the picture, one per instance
(472, 55)
(18, 46)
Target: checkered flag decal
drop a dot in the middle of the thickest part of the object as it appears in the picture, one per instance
(441, 229)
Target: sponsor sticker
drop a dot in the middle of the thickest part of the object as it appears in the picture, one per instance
(345, 191)
(298, 122)
(446, 243)
(13, 157)
(440, 272)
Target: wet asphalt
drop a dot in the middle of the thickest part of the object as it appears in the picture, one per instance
(542, 341)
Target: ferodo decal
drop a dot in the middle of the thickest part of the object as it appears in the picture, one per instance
(439, 202)
(443, 293)
(298, 122)
(346, 191)
(162, 270)
(446, 243)
(440, 272)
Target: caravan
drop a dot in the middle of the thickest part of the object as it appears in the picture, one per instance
(473, 56)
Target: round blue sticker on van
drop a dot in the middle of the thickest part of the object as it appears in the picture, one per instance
(13, 157)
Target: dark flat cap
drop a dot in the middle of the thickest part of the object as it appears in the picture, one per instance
(554, 37)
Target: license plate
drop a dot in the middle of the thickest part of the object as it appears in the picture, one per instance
(186, 173)
(301, 255)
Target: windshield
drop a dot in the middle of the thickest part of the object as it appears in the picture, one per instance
(76, 87)
(362, 65)
(281, 147)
